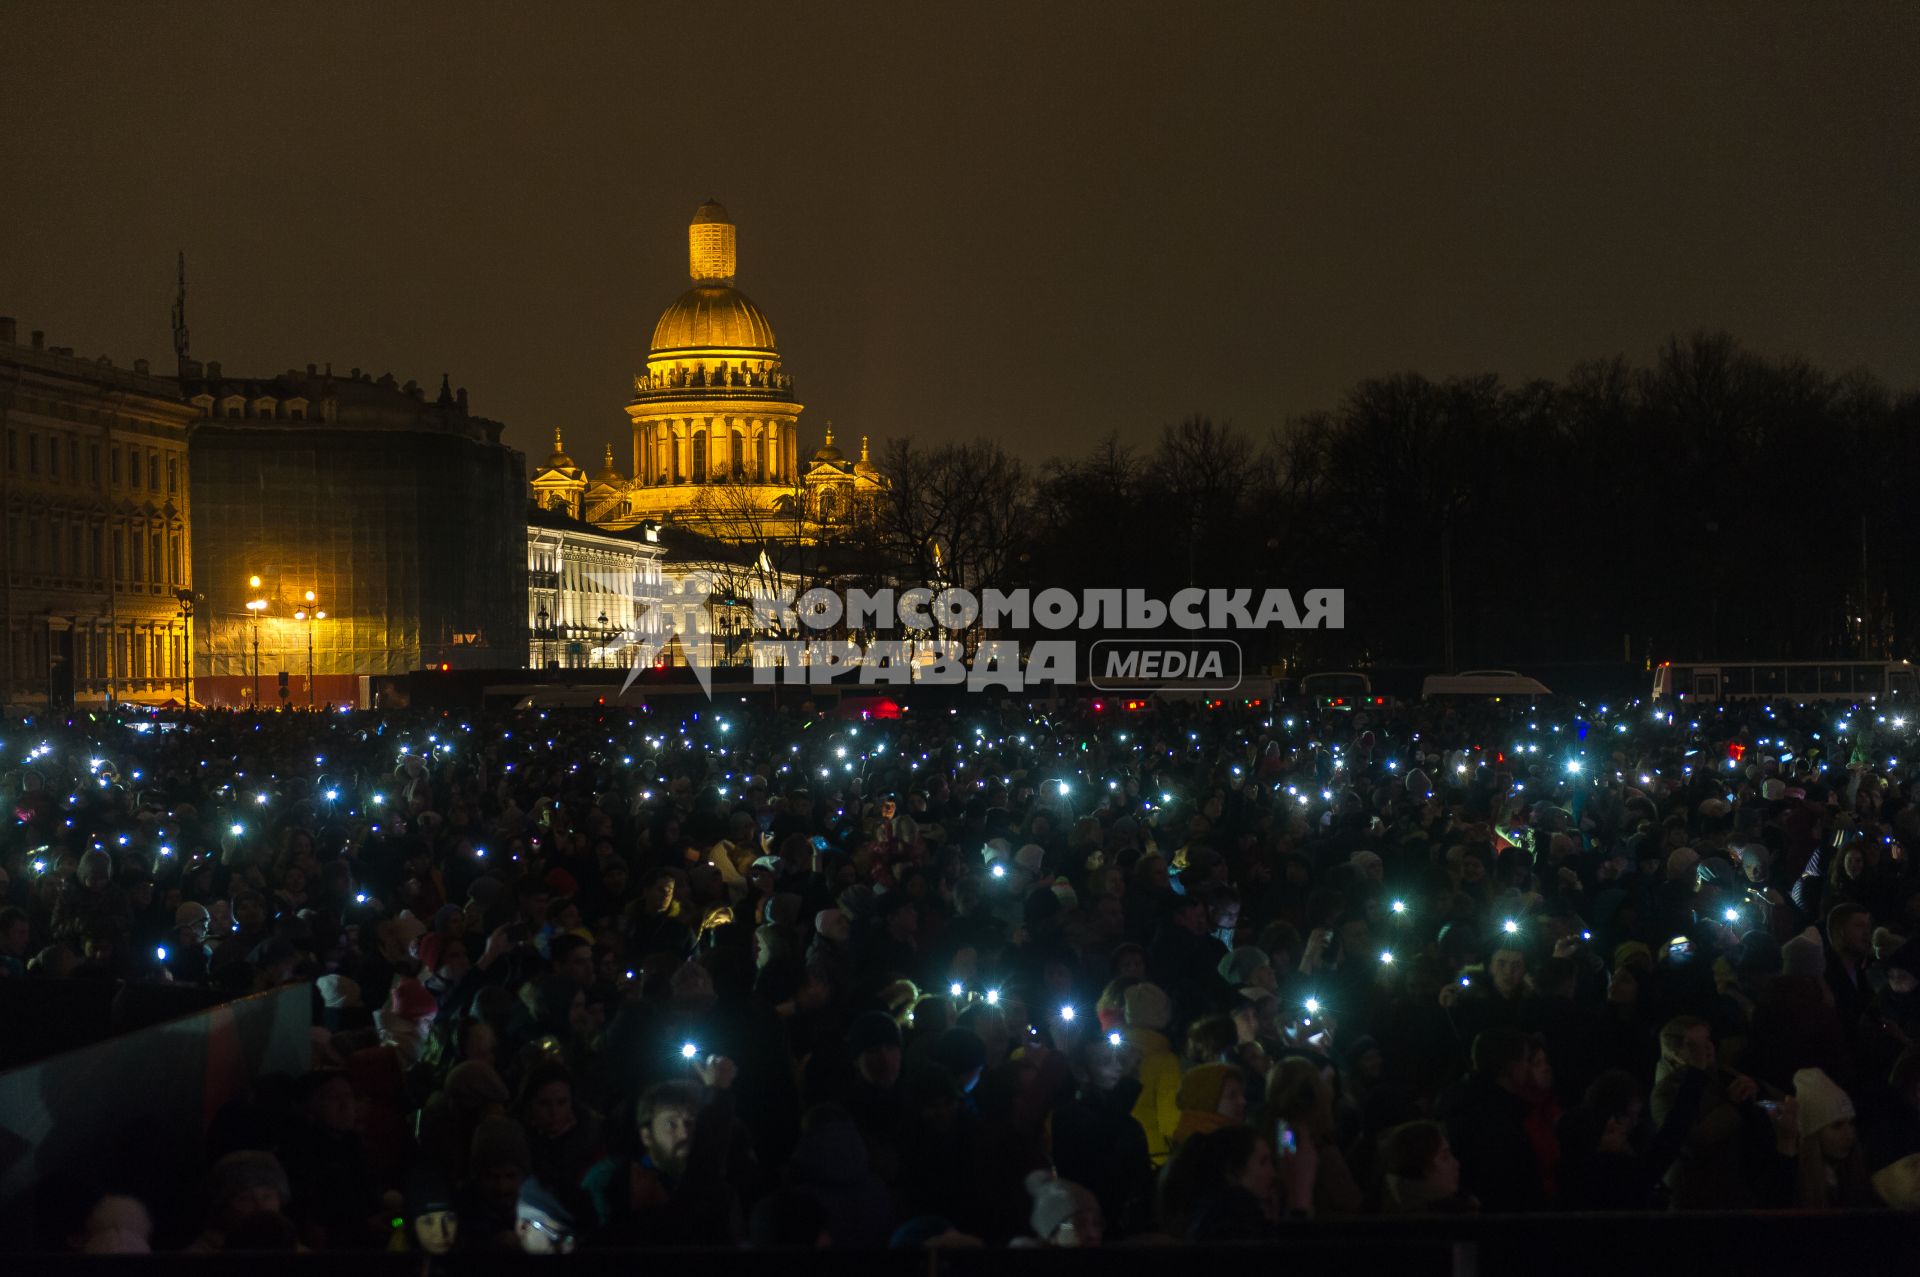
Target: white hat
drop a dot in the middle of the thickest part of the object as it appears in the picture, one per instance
(1822, 1102)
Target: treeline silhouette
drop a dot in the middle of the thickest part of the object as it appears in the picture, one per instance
(1718, 503)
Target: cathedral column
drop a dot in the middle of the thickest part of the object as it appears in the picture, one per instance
(773, 451)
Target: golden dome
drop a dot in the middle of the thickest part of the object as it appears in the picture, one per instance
(559, 460)
(712, 316)
(826, 451)
(608, 471)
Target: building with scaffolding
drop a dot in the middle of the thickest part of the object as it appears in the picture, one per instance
(351, 526)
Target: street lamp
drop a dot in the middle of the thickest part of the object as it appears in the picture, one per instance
(540, 620)
(310, 614)
(256, 605)
(186, 619)
(601, 621)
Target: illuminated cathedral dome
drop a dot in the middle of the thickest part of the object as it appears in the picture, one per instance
(826, 451)
(708, 317)
(713, 314)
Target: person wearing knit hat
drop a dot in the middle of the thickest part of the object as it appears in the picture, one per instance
(1821, 1102)
(1249, 966)
(833, 925)
(117, 1225)
(1632, 953)
(1804, 955)
(1816, 1128)
(430, 950)
(338, 992)
(1148, 1007)
(1064, 1214)
(542, 1222)
(436, 1225)
(247, 1181)
(411, 1000)
(475, 1085)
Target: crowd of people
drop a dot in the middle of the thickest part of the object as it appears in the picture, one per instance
(996, 974)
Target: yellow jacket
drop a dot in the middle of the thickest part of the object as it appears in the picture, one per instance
(1158, 1109)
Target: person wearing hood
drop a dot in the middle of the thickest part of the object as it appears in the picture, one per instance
(1158, 1109)
(831, 1166)
(1210, 1096)
(472, 1094)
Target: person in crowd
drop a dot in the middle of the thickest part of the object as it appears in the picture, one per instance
(1420, 1175)
(1059, 976)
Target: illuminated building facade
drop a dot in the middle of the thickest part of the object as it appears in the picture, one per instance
(589, 591)
(403, 515)
(714, 421)
(98, 542)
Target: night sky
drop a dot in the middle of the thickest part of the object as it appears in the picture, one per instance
(1039, 223)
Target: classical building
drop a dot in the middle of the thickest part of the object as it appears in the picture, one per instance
(715, 422)
(98, 545)
(590, 591)
(399, 515)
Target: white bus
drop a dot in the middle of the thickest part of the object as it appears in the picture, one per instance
(1784, 681)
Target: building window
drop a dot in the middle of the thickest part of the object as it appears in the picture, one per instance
(173, 474)
(93, 463)
(13, 450)
(116, 466)
(119, 555)
(173, 559)
(53, 457)
(33, 454)
(93, 554)
(153, 472)
(153, 557)
(73, 458)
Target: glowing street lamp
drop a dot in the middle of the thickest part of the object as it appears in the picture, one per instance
(257, 606)
(309, 614)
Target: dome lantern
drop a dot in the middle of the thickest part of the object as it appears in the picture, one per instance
(710, 245)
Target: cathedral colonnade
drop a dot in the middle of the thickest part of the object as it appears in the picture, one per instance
(710, 449)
